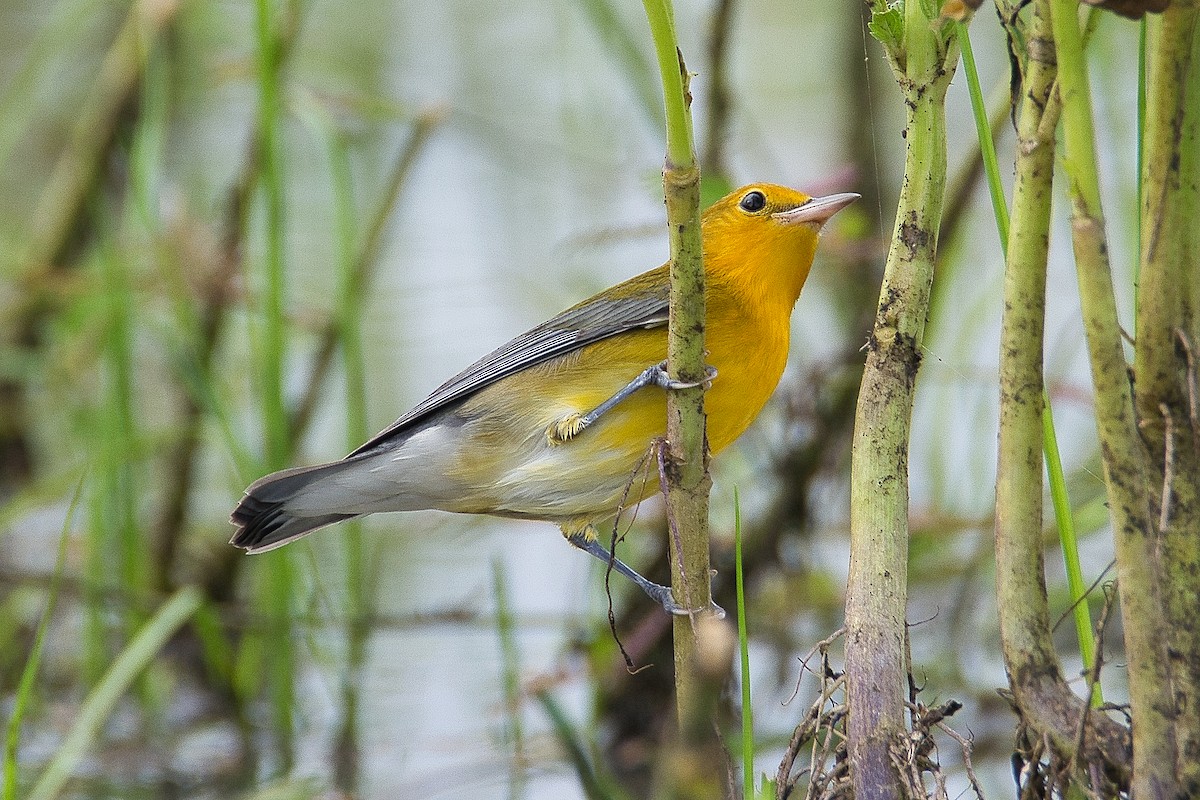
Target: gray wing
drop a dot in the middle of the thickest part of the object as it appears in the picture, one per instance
(569, 331)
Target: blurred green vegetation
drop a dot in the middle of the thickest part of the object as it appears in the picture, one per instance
(235, 236)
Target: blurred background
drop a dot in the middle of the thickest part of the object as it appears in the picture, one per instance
(444, 175)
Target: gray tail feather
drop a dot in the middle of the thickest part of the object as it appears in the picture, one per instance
(262, 520)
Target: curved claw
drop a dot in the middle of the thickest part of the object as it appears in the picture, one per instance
(665, 381)
(664, 596)
(566, 428)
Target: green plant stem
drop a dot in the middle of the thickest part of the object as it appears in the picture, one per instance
(114, 548)
(365, 262)
(1058, 485)
(121, 480)
(204, 321)
(680, 148)
(683, 457)
(66, 191)
(877, 590)
(1064, 520)
(277, 583)
(1045, 701)
(1141, 133)
(743, 654)
(510, 660)
(983, 129)
(357, 591)
(594, 786)
(1124, 457)
(29, 674)
(273, 296)
(98, 705)
(1079, 141)
(1165, 373)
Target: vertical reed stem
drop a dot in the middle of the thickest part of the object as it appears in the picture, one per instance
(923, 60)
(277, 576)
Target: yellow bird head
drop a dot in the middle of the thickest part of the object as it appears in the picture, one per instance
(760, 240)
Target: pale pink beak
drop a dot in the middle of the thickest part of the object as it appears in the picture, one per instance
(817, 210)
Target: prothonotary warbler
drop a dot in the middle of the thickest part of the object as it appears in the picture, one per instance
(556, 425)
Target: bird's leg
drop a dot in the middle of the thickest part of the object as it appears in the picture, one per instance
(585, 539)
(572, 425)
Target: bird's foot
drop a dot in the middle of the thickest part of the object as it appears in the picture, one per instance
(567, 428)
(659, 376)
(664, 596)
(573, 424)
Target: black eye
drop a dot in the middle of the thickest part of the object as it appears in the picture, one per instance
(753, 201)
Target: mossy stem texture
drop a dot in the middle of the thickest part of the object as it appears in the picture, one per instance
(1168, 336)
(877, 590)
(1020, 572)
(1043, 697)
(1124, 457)
(1038, 89)
(685, 458)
